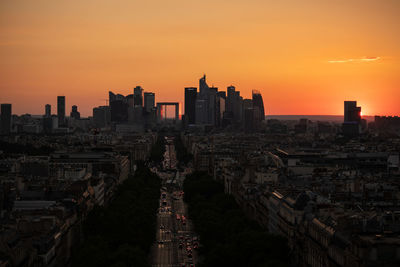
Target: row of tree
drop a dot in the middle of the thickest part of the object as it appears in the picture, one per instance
(228, 238)
(122, 234)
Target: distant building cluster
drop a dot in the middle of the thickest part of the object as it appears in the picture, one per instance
(210, 107)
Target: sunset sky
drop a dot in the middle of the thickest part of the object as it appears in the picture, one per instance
(306, 57)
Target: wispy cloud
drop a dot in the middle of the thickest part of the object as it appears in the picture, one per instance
(357, 60)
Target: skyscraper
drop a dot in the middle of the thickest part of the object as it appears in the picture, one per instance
(61, 110)
(190, 104)
(47, 112)
(201, 111)
(6, 118)
(74, 113)
(352, 113)
(230, 99)
(138, 96)
(258, 102)
(212, 105)
(149, 101)
(352, 119)
(203, 88)
(118, 107)
(101, 116)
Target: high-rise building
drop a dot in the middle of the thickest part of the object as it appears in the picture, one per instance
(190, 104)
(352, 119)
(201, 111)
(221, 94)
(6, 118)
(248, 119)
(149, 101)
(230, 99)
(61, 110)
(203, 88)
(118, 107)
(47, 111)
(101, 116)
(237, 107)
(212, 105)
(258, 102)
(74, 112)
(352, 113)
(220, 108)
(138, 96)
(204, 96)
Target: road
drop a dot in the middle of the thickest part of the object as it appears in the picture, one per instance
(176, 243)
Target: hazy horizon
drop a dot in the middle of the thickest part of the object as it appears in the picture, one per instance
(303, 56)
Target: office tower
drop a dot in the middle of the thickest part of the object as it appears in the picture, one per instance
(101, 116)
(203, 88)
(5, 118)
(130, 100)
(352, 113)
(138, 96)
(220, 109)
(237, 106)
(200, 111)
(190, 104)
(258, 102)
(74, 113)
(247, 103)
(248, 124)
(149, 101)
(47, 111)
(230, 99)
(204, 96)
(61, 110)
(118, 107)
(212, 105)
(221, 94)
(352, 119)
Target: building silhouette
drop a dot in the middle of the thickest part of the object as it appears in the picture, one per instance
(118, 107)
(74, 112)
(190, 105)
(214, 108)
(102, 116)
(259, 103)
(61, 110)
(138, 96)
(47, 110)
(352, 113)
(352, 119)
(149, 101)
(6, 114)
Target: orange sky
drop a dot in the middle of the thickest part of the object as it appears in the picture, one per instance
(306, 57)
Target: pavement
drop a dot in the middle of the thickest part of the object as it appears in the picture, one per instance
(171, 232)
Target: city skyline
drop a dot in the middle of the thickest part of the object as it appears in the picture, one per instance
(61, 102)
(284, 50)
